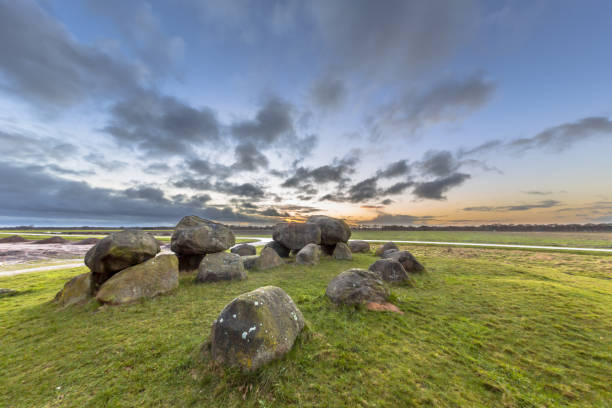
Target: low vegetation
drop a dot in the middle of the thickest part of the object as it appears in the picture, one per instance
(482, 328)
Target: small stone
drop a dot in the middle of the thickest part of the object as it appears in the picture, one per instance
(357, 286)
(309, 255)
(381, 249)
(76, 290)
(359, 246)
(342, 252)
(244, 250)
(221, 266)
(391, 271)
(268, 259)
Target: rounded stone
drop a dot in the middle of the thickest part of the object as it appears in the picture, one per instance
(221, 266)
(295, 235)
(244, 250)
(333, 230)
(357, 286)
(197, 236)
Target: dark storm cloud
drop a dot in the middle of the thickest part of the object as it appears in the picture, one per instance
(338, 172)
(249, 158)
(364, 190)
(245, 189)
(328, 92)
(390, 37)
(438, 163)
(271, 123)
(396, 169)
(397, 188)
(445, 101)
(203, 167)
(387, 201)
(34, 149)
(435, 189)
(35, 194)
(44, 65)
(161, 125)
(142, 31)
(273, 212)
(519, 207)
(157, 168)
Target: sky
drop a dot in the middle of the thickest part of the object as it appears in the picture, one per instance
(252, 112)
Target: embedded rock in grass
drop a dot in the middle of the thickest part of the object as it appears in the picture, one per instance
(359, 246)
(333, 230)
(221, 266)
(309, 255)
(249, 261)
(280, 249)
(381, 249)
(255, 328)
(7, 292)
(357, 286)
(295, 235)
(146, 280)
(391, 271)
(118, 251)
(268, 259)
(244, 250)
(342, 252)
(76, 290)
(407, 260)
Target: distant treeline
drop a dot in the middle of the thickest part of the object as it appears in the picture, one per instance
(265, 228)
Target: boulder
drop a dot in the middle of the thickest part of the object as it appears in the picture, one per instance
(381, 249)
(197, 236)
(76, 290)
(295, 235)
(333, 230)
(391, 271)
(388, 252)
(221, 266)
(359, 246)
(357, 286)
(342, 252)
(118, 251)
(249, 261)
(309, 255)
(280, 249)
(268, 259)
(145, 280)
(255, 328)
(244, 250)
(407, 260)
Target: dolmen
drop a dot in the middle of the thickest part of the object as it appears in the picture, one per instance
(124, 267)
(196, 237)
(255, 328)
(320, 234)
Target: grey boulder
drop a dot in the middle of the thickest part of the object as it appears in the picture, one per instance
(197, 236)
(309, 255)
(295, 235)
(76, 290)
(249, 261)
(244, 250)
(255, 328)
(407, 260)
(359, 246)
(381, 249)
(280, 249)
(268, 259)
(357, 286)
(221, 266)
(333, 230)
(118, 251)
(342, 252)
(391, 271)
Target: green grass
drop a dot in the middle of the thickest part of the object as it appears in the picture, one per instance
(484, 328)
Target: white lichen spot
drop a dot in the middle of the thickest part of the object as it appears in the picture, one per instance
(252, 328)
(234, 316)
(256, 303)
(220, 320)
(244, 335)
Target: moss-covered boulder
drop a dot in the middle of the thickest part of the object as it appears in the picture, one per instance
(385, 247)
(255, 328)
(359, 246)
(244, 250)
(77, 290)
(333, 230)
(357, 286)
(148, 279)
(309, 255)
(391, 271)
(342, 252)
(221, 266)
(268, 259)
(407, 260)
(198, 236)
(118, 251)
(296, 235)
(280, 249)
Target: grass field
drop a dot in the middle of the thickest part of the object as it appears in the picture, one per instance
(483, 328)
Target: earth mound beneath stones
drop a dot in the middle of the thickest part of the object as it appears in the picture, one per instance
(87, 241)
(13, 239)
(52, 240)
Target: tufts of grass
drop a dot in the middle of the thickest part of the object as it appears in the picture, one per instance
(482, 328)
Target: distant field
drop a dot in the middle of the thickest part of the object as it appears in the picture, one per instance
(483, 328)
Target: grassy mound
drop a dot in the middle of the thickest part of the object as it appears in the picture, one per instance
(482, 328)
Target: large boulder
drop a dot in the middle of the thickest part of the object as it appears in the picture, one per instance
(391, 271)
(385, 247)
(118, 251)
(249, 261)
(280, 249)
(357, 286)
(333, 230)
(255, 328)
(342, 252)
(359, 246)
(309, 255)
(146, 280)
(76, 290)
(221, 266)
(268, 259)
(407, 260)
(295, 235)
(244, 250)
